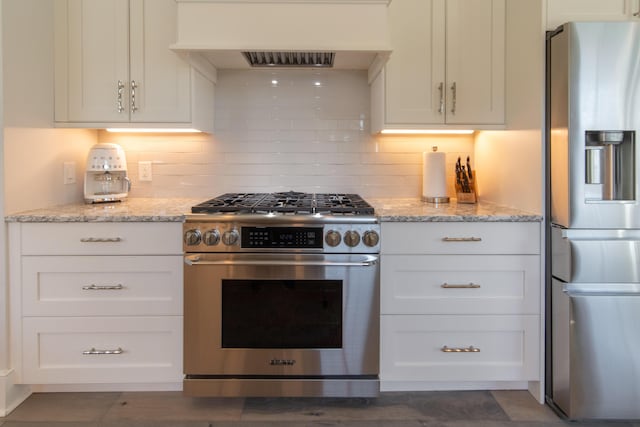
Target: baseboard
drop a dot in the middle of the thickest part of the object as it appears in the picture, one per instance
(11, 394)
(451, 386)
(53, 388)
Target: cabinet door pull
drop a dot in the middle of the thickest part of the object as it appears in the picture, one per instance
(94, 351)
(441, 90)
(94, 287)
(637, 12)
(470, 349)
(462, 239)
(454, 91)
(101, 239)
(120, 106)
(460, 286)
(134, 86)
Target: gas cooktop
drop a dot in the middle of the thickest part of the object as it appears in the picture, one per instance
(290, 202)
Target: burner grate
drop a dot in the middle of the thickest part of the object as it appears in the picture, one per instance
(286, 203)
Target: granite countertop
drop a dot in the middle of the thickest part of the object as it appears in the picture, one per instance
(415, 210)
(174, 210)
(129, 210)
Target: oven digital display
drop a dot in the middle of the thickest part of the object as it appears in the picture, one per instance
(281, 237)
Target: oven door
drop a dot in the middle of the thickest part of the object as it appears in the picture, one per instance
(281, 315)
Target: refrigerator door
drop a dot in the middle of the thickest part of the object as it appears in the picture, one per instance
(595, 256)
(594, 97)
(596, 348)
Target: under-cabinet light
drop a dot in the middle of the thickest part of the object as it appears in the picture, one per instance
(153, 130)
(427, 131)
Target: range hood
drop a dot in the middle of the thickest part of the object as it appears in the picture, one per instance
(223, 34)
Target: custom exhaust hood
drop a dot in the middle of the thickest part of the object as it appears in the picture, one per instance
(343, 34)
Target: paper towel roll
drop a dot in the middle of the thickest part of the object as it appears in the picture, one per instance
(434, 181)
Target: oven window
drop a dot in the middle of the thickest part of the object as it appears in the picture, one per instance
(281, 313)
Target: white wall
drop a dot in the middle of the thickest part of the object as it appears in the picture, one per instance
(34, 152)
(512, 161)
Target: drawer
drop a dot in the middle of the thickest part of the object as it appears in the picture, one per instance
(103, 238)
(101, 285)
(147, 350)
(413, 348)
(461, 238)
(460, 284)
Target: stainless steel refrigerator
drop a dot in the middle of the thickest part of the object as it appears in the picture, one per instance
(593, 122)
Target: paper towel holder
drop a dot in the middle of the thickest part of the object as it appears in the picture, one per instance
(435, 199)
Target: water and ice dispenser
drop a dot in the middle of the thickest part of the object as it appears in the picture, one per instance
(610, 165)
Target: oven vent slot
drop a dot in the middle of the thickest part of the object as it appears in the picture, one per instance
(290, 59)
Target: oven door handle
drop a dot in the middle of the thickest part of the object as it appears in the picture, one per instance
(195, 260)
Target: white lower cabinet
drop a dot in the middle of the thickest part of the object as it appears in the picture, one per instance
(96, 303)
(77, 350)
(459, 348)
(460, 303)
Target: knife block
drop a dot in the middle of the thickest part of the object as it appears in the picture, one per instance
(467, 197)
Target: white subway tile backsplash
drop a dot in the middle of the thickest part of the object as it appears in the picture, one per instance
(289, 135)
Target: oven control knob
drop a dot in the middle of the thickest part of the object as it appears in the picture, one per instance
(333, 238)
(370, 238)
(211, 237)
(230, 237)
(192, 237)
(351, 238)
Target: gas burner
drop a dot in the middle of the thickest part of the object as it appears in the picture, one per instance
(343, 203)
(291, 202)
(229, 203)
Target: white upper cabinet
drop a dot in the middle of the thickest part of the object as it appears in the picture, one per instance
(447, 65)
(114, 67)
(561, 11)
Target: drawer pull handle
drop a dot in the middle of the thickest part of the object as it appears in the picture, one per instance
(460, 286)
(94, 351)
(100, 239)
(470, 349)
(94, 287)
(462, 239)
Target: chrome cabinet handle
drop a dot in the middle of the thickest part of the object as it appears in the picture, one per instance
(637, 12)
(453, 97)
(441, 90)
(100, 239)
(94, 351)
(134, 86)
(120, 106)
(470, 349)
(460, 286)
(94, 287)
(462, 239)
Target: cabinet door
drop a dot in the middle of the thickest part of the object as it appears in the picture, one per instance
(492, 348)
(561, 11)
(475, 61)
(414, 74)
(162, 79)
(81, 350)
(93, 47)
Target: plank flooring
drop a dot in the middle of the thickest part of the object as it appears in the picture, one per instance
(172, 409)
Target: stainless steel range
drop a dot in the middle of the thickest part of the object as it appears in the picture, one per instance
(281, 296)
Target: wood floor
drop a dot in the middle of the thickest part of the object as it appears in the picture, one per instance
(171, 409)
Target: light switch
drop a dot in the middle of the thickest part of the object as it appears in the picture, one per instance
(69, 175)
(144, 171)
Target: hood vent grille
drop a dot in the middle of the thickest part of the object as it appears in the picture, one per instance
(290, 59)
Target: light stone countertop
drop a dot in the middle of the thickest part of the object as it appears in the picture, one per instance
(174, 209)
(128, 210)
(415, 210)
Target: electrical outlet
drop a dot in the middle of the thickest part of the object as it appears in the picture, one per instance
(144, 171)
(69, 175)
